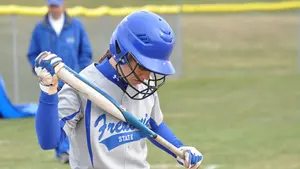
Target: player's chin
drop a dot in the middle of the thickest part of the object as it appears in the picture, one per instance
(135, 82)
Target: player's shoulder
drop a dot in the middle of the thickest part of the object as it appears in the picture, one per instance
(90, 69)
(40, 24)
(92, 73)
(75, 21)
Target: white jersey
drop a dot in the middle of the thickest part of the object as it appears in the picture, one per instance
(99, 140)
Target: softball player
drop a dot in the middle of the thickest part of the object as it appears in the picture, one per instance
(134, 67)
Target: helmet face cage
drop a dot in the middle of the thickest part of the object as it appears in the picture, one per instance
(155, 81)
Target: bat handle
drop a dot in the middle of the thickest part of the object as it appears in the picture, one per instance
(58, 67)
(170, 147)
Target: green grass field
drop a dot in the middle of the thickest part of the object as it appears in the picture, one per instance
(238, 101)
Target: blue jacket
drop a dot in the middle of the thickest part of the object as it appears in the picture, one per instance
(72, 45)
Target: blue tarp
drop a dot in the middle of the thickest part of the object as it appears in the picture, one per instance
(11, 111)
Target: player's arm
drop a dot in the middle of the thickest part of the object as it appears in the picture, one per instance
(193, 156)
(56, 115)
(85, 49)
(163, 130)
(34, 48)
(47, 125)
(159, 127)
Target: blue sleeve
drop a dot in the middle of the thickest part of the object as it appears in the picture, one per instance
(164, 131)
(49, 132)
(34, 48)
(85, 49)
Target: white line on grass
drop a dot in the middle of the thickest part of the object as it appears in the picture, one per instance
(169, 166)
(5, 142)
(211, 166)
(165, 166)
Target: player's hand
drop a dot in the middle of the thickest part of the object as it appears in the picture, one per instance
(44, 69)
(193, 157)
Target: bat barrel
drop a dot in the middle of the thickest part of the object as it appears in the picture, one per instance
(89, 90)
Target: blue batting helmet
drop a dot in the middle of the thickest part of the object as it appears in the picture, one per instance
(148, 38)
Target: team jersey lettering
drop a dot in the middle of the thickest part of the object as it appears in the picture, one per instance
(120, 132)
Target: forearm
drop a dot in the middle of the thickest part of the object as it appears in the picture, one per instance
(48, 128)
(164, 131)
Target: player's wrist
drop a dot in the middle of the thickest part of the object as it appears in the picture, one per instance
(49, 89)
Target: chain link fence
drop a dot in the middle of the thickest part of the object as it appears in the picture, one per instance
(21, 84)
(206, 45)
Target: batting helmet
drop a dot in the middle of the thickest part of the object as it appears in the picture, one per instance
(148, 38)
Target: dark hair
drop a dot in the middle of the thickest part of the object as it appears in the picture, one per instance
(106, 55)
(109, 55)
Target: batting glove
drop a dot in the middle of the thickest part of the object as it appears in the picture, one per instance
(44, 69)
(193, 157)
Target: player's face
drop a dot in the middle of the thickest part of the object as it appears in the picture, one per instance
(56, 11)
(135, 75)
(141, 72)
